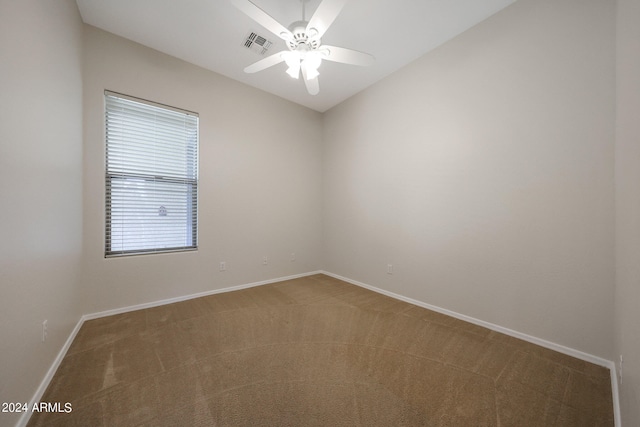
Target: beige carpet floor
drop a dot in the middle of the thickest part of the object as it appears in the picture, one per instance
(315, 351)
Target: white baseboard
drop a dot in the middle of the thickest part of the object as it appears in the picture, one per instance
(24, 419)
(192, 296)
(615, 395)
(525, 337)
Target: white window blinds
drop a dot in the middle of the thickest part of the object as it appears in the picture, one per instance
(151, 177)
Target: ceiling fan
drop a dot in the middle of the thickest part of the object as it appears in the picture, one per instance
(303, 39)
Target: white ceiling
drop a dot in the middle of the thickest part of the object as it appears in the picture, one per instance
(211, 34)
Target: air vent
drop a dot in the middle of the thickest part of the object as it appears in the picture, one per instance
(257, 43)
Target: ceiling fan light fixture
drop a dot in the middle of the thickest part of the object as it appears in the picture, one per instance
(292, 59)
(311, 72)
(311, 63)
(294, 71)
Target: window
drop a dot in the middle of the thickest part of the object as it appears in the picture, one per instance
(151, 177)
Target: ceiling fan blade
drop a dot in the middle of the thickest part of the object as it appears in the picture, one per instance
(267, 62)
(347, 56)
(313, 86)
(263, 18)
(324, 16)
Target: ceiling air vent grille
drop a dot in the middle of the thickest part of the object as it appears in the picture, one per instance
(257, 43)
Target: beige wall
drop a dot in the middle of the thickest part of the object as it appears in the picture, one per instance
(627, 336)
(40, 188)
(484, 173)
(260, 179)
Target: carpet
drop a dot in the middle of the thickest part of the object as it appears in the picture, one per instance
(315, 351)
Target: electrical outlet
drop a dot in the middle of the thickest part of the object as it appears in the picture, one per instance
(620, 371)
(389, 268)
(265, 260)
(223, 266)
(45, 330)
(293, 256)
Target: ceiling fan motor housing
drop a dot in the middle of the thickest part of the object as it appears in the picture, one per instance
(301, 37)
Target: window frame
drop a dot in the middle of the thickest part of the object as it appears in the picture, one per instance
(191, 185)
